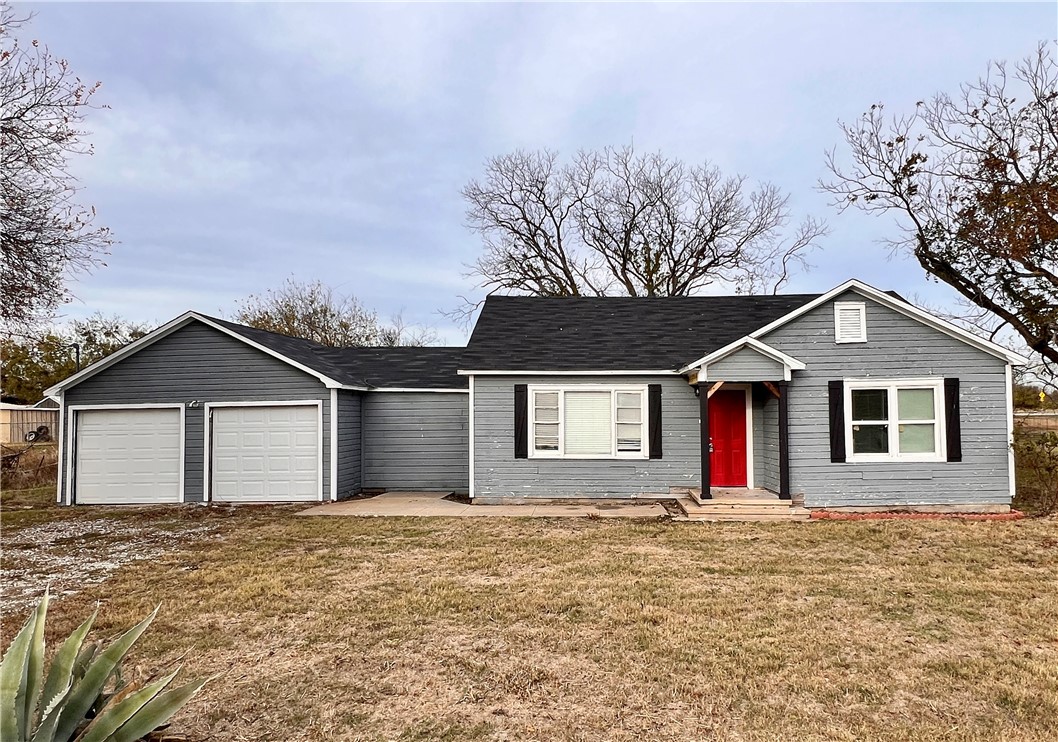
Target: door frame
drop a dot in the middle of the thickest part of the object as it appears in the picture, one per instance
(71, 432)
(207, 428)
(747, 390)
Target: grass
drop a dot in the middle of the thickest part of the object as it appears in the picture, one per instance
(446, 629)
(37, 466)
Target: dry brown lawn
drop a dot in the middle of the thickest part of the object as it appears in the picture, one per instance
(519, 629)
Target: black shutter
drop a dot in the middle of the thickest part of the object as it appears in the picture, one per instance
(654, 419)
(837, 421)
(521, 421)
(952, 428)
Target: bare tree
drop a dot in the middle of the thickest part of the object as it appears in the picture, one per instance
(46, 235)
(614, 222)
(314, 311)
(974, 179)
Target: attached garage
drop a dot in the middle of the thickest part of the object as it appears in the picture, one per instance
(129, 456)
(203, 410)
(266, 453)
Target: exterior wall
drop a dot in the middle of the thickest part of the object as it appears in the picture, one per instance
(766, 441)
(416, 441)
(202, 364)
(498, 475)
(745, 365)
(897, 346)
(350, 425)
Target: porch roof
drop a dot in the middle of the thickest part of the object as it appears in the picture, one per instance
(777, 358)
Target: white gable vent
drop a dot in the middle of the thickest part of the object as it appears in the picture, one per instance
(850, 322)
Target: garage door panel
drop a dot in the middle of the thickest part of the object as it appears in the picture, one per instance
(127, 456)
(265, 454)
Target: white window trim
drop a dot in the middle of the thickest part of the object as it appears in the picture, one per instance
(641, 389)
(936, 384)
(859, 306)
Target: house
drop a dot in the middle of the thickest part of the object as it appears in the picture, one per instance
(849, 399)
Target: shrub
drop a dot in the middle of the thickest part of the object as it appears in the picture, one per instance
(1036, 454)
(71, 703)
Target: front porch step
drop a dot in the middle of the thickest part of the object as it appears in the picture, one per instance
(747, 509)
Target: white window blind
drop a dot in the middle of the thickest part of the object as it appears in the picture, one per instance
(629, 407)
(850, 322)
(588, 423)
(546, 422)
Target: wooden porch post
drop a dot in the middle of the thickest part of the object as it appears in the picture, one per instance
(703, 401)
(784, 439)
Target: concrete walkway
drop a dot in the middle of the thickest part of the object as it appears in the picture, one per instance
(433, 504)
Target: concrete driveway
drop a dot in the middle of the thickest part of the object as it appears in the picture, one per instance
(433, 504)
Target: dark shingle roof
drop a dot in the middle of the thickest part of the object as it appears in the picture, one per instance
(408, 367)
(619, 333)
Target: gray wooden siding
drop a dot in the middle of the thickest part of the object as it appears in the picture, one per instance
(497, 474)
(415, 440)
(897, 346)
(199, 363)
(745, 365)
(350, 423)
(766, 441)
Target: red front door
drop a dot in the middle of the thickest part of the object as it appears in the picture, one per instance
(727, 428)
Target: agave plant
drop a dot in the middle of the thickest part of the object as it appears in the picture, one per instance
(71, 702)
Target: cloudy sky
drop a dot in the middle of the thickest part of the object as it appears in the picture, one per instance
(245, 144)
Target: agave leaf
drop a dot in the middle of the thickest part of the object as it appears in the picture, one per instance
(13, 671)
(86, 692)
(157, 711)
(35, 665)
(84, 659)
(49, 717)
(61, 673)
(121, 709)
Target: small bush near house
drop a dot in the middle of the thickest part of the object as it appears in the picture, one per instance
(1036, 457)
(83, 697)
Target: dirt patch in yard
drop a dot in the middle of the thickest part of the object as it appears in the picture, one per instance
(70, 554)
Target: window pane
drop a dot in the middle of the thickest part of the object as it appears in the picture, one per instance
(915, 404)
(870, 438)
(547, 414)
(629, 399)
(629, 415)
(629, 437)
(546, 399)
(917, 439)
(587, 423)
(870, 404)
(546, 437)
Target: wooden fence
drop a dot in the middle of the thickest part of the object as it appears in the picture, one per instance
(18, 423)
(1037, 420)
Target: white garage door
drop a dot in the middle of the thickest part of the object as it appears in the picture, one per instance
(265, 454)
(127, 457)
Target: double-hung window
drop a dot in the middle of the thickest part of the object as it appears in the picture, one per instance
(588, 422)
(894, 420)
